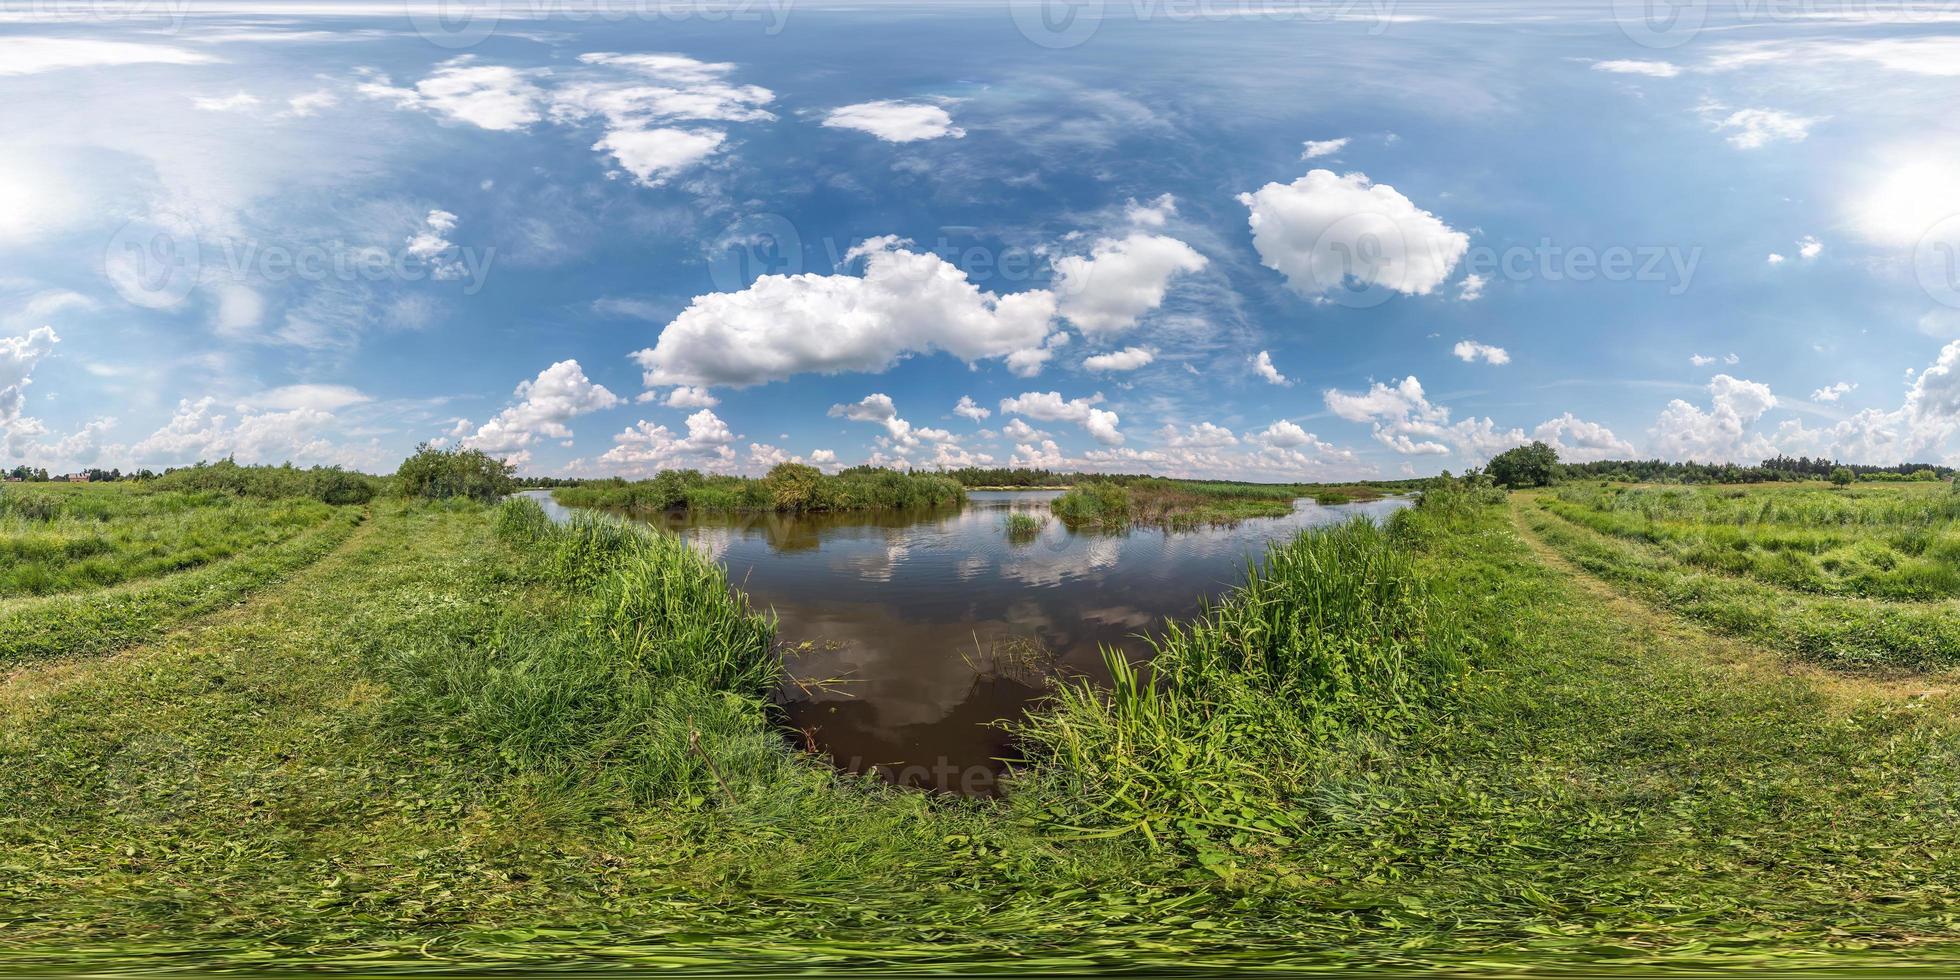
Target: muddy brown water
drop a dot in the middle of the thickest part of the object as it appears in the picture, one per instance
(909, 635)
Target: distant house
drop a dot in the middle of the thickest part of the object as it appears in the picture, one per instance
(76, 478)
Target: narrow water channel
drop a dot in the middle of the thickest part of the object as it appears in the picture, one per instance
(907, 635)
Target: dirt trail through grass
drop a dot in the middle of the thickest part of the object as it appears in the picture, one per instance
(35, 678)
(1682, 634)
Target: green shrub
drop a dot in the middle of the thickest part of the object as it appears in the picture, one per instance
(1535, 465)
(329, 484)
(444, 474)
(333, 485)
(793, 486)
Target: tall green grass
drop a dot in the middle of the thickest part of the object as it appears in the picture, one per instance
(1093, 503)
(1217, 733)
(650, 684)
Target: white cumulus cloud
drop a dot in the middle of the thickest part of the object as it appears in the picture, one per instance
(1050, 406)
(1127, 359)
(1832, 392)
(905, 303)
(1751, 129)
(894, 121)
(1262, 365)
(1325, 227)
(1323, 148)
(544, 405)
(968, 408)
(1720, 433)
(1105, 292)
(1470, 352)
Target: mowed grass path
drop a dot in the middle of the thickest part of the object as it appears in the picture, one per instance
(1609, 784)
(99, 620)
(1724, 573)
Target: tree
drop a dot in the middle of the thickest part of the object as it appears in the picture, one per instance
(1842, 476)
(439, 474)
(1535, 465)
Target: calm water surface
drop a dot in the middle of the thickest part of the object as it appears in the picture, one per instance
(909, 634)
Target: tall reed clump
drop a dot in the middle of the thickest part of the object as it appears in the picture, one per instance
(648, 683)
(1024, 527)
(1094, 503)
(1211, 737)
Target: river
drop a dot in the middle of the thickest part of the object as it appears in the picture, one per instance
(908, 635)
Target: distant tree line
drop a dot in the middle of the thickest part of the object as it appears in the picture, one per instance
(1775, 469)
(1538, 465)
(35, 474)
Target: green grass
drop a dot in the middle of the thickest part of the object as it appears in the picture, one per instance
(91, 535)
(472, 738)
(107, 619)
(1764, 604)
(1899, 542)
(1218, 733)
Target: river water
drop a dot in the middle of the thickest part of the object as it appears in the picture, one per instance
(908, 635)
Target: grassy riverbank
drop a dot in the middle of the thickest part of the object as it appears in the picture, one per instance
(1118, 504)
(789, 487)
(465, 736)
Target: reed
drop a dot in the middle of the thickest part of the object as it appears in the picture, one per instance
(1338, 633)
(651, 684)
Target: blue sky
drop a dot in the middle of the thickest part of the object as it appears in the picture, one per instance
(1215, 237)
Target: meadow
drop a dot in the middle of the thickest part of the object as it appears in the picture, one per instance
(465, 735)
(64, 538)
(1860, 576)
